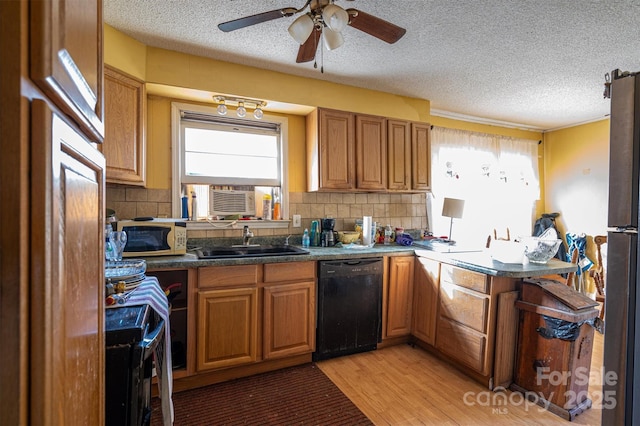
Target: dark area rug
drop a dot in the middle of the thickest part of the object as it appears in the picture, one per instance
(300, 395)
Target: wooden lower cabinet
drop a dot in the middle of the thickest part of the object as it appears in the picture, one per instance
(227, 327)
(463, 317)
(289, 324)
(463, 344)
(248, 314)
(425, 299)
(399, 296)
(456, 312)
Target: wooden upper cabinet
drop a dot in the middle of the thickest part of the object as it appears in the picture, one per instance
(371, 152)
(66, 59)
(330, 150)
(421, 155)
(399, 154)
(124, 147)
(352, 152)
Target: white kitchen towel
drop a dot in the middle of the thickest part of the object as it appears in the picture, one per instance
(150, 293)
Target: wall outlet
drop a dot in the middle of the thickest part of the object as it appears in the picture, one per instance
(296, 221)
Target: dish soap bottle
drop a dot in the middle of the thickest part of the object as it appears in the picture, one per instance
(305, 238)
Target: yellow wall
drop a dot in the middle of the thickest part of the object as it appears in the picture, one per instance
(187, 72)
(125, 53)
(577, 176)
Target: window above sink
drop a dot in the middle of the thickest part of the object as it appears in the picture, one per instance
(204, 145)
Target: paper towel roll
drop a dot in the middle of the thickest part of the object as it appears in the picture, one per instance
(366, 230)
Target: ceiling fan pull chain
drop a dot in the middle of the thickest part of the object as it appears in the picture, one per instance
(322, 56)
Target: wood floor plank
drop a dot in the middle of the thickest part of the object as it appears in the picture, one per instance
(403, 385)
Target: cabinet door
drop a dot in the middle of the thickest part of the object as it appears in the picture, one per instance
(421, 155)
(124, 147)
(337, 150)
(371, 153)
(425, 299)
(400, 296)
(289, 319)
(67, 346)
(227, 327)
(399, 155)
(66, 59)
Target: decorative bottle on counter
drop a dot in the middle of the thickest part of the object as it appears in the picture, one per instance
(305, 238)
(109, 248)
(276, 205)
(266, 207)
(388, 235)
(194, 207)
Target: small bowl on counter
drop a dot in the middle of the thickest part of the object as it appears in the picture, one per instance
(348, 237)
(539, 250)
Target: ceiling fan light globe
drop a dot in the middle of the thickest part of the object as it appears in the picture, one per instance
(332, 39)
(301, 28)
(335, 17)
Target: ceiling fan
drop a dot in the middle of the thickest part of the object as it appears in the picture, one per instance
(324, 18)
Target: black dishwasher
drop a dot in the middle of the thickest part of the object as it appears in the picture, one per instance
(349, 307)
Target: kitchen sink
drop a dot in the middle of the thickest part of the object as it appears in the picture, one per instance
(249, 251)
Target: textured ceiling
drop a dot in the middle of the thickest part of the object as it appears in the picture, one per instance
(536, 64)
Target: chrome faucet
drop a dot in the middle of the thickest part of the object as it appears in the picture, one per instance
(246, 236)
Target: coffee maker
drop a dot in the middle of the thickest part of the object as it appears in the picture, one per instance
(328, 237)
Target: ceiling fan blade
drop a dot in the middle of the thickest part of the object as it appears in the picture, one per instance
(259, 18)
(307, 51)
(372, 25)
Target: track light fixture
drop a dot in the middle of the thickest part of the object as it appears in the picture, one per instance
(241, 106)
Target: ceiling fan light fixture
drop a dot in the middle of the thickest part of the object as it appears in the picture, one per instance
(301, 28)
(335, 17)
(332, 39)
(241, 111)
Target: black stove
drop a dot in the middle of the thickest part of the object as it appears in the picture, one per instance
(132, 332)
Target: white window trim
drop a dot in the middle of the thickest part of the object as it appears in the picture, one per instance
(176, 108)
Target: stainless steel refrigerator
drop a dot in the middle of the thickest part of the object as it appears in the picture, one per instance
(621, 394)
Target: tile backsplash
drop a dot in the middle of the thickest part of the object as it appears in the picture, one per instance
(406, 210)
(137, 202)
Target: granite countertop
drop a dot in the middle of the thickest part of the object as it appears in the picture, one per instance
(474, 259)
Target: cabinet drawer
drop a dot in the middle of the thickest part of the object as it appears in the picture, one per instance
(465, 278)
(228, 276)
(464, 306)
(279, 272)
(462, 344)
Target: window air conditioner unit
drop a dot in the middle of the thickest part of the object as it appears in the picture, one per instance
(228, 203)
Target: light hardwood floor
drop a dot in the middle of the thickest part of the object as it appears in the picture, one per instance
(403, 385)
